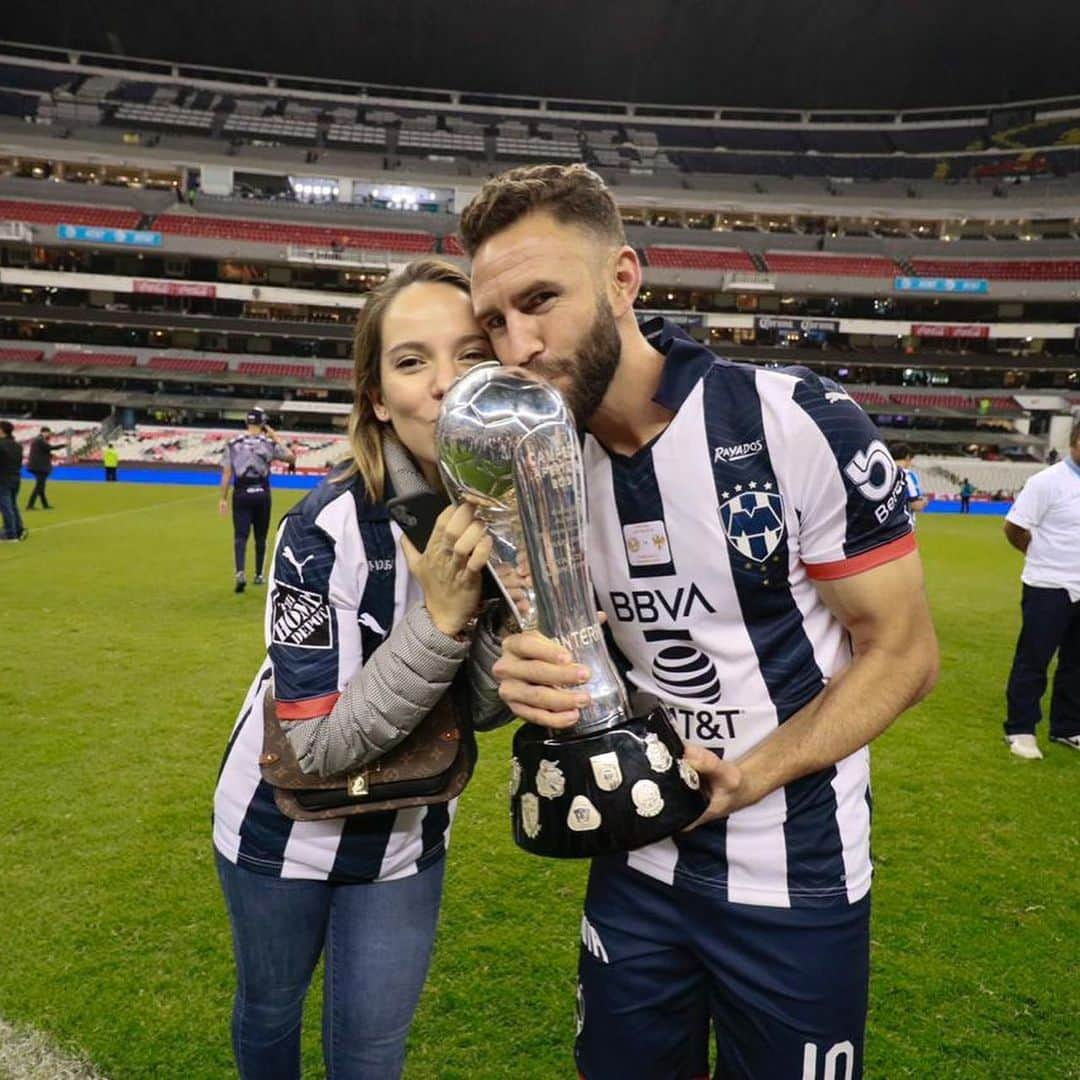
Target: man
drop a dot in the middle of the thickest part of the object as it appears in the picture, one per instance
(967, 489)
(39, 462)
(1044, 524)
(245, 463)
(110, 458)
(755, 518)
(11, 455)
(917, 502)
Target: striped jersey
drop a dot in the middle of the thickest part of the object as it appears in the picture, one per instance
(339, 582)
(250, 457)
(703, 547)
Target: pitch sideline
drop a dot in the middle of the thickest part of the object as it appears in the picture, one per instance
(27, 1054)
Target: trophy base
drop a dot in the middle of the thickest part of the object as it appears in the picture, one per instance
(620, 789)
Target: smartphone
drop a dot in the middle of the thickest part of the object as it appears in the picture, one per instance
(416, 515)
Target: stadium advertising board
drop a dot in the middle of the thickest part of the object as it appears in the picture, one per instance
(941, 285)
(96, 235)
(802, 326)
(950, 330)
(174, 288)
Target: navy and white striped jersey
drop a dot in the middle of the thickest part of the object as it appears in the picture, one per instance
(250, 456)
(339, 583)
(703, 549)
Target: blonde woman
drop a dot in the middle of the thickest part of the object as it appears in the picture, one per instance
(375, 633)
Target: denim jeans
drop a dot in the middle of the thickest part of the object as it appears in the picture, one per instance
(377, 942)
(9, 510)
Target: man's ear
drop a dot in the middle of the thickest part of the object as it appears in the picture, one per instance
(625, 279)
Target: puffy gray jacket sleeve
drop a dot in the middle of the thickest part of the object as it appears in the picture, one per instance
(488, 710)
(384, 701)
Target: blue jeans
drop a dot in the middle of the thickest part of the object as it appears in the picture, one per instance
(377, 942)
(9, 509)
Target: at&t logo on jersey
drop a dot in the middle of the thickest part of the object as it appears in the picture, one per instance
(686, 672)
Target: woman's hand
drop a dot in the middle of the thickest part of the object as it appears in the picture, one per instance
(539, 680)
(449, 569)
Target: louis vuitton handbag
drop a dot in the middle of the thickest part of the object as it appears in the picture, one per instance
(432, 765)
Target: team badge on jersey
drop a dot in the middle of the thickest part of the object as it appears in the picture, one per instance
(646, 543)
(301, 619)
(515, 776)
(753, 522)
(689, 775)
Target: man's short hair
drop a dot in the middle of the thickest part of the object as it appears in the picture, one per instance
(900, 451)
(46, 430)
(7, 427)
(572, 194)
(1074, 435)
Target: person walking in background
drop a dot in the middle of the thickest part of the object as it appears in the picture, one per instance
(967, 489)
(11, 454)
(39, 463)
(110, 458)
(246, 464)
(901, 454)
(1044, 523)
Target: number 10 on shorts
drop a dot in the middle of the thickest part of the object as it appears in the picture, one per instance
(838, 1063)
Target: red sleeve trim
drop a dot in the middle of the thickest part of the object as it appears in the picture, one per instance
(859, 564)
(306, 709)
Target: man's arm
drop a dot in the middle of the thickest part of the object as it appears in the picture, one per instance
(226, 479)
(1018, 537)
(284, 451)
(895, 664)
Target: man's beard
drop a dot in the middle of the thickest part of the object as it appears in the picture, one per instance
(585, 378)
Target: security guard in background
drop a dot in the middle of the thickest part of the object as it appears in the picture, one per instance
(246, 463)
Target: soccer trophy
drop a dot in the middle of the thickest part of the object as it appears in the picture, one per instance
(612, 782)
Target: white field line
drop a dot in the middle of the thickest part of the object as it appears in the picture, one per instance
(118, 513)
(26, 1054)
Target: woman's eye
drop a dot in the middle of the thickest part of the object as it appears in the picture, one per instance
(475, 356)
(407, 362)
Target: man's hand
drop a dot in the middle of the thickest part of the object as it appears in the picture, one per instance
(223, 506)
(537, 677)
(724, 781)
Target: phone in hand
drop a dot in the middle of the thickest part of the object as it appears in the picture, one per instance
(416, 515)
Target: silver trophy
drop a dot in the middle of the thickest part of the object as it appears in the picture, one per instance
(507, 443)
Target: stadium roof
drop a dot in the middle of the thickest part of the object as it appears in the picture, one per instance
(804, 54)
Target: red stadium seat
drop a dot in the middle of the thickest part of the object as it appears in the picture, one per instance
(869, 397)
(68, 214)
(1000, 269)
(801, 262)
(339, 373)
(20, 356)
(294, 371)
(451, 245)
(92, 359)
(281, 232)
(699, 258)
(197, 365)
(951, 402)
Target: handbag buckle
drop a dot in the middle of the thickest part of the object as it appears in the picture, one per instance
(358, 784)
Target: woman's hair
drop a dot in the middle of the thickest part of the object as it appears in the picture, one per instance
(365, 430)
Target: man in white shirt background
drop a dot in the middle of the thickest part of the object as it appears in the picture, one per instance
(1044, 523)
(901, 454)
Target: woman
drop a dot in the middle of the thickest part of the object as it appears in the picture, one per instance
(364, 636)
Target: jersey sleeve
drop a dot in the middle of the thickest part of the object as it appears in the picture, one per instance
(226, 456)
(313, 601)
(1028, 506)
(279, 452)
(851, 497)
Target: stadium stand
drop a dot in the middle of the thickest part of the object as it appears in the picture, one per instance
(281, 371)
(787, 262)
(999, 269)
(273, 232)
(195, 365)
(20, 356)
(698, 258)
(46, 213)
(92, 359)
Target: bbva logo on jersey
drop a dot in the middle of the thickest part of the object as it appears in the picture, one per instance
(754, 523)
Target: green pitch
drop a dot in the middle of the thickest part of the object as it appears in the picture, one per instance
(125, 656)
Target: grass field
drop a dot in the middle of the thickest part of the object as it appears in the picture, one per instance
(125, 656)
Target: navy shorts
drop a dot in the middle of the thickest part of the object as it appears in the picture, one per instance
(785, 989)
